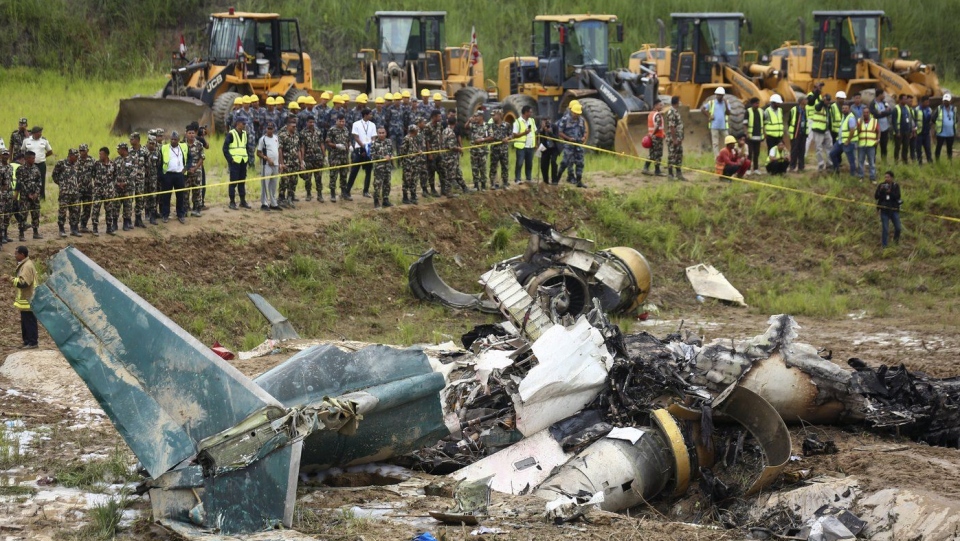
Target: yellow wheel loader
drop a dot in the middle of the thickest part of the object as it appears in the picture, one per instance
(248, 53)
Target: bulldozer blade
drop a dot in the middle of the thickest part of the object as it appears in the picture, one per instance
(142, 113)
(632, 127)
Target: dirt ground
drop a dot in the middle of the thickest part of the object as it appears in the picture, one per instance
(44, 390)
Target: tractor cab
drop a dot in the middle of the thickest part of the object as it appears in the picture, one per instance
(703, 40)
(411, 36)
(565, 45)
(842, 39)
(264, 45)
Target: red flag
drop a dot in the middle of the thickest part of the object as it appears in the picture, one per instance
(239, 48)
(474, 50)
(183, 47)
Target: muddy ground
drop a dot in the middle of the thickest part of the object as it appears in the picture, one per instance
(42, 391)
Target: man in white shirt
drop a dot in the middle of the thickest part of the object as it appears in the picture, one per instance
(41, 148)
(525, 141)
(268, 149)
(363, 131)
(173, 159)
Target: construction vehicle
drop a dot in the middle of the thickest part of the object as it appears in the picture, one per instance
(249, 53)
(572, 59)
(847, 54)
(705, 55)
(412, 56)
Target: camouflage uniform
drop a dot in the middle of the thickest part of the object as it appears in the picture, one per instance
(674, 138)
(500, 153)
(290, 150)
(313, 160)
(433, 137)
(125, 177)
(414, 166)
(139, 157)
(479, 153)
(85, 180)
(353, 115)
(451, 162)
(656, 143)
(7, 201)
(104, 187)
(302, 117)
(572, 154)
(338, 158)
(380, 116)
(194, 180)
(16, 144)
(397, 125)
(28, 183)
(150, 185)
(65, 175)
(380, 149)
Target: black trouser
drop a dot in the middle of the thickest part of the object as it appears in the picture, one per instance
(548, 165)
(949, 143)
(922, 144)
(238, 183)
(777, 167)
(173, 181)
(42, 166)
(772, 142)
(28, 327)
(754, 147)
(902, 147)
(798, 152)
(884, 140)
(525, 158)
(360, 160)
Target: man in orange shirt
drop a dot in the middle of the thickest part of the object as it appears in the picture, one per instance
(655, 129)
(730, 162)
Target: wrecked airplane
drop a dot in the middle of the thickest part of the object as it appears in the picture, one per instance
(559, 405)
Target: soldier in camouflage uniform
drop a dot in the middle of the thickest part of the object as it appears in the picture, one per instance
(338, 144)
(291, 162)
(305, 114)
(380, 114)
(501, 132)
(381, 149)
(85, 179)
(7, 201)
(138, 154)
(433, 137)
(28, 194)
(412, 161)
(398, 122)
(17, 138)
(657, 132)
(151, 179)
(104, 188)
(65, 176)
(193, 169)
(480, 134)
(125, 178)
(311, 139)
(674, 139)
(572, 127)
(451, 161)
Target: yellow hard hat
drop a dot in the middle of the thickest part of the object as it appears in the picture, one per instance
(437, 97)
(293, 106)
(301, 99)
(575, 107)
(279, 100)
(239, 100)
(405, 94)
(252, 99)
(326, 95)
(337, 99)
(271, 101)
(362, 99)
(310, 100)
(388, 96)
(425, 93)
(730, 140)
(380, 100)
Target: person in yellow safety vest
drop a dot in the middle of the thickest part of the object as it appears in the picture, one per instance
(846, 142)
(524, 142)
(173, 159)
(655, 130)
(820, 137)
(25, 281)
(868, 135)
(773, 122)
(717, 111)
(754, 122)
(778, 159)
(945, 126)
(904, 130)
(798, 135)
(835, 114)
(235, 151)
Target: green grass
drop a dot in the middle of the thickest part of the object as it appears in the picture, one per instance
(93, 475)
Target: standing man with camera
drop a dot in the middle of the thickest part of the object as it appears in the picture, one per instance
(888, 205)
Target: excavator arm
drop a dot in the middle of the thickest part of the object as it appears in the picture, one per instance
(894, 84)
(744, 86)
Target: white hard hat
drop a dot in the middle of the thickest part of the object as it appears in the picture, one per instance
(720, 91)
(841, 95)
(947, 97)
(776, 99)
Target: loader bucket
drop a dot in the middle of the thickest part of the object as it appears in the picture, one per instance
(632, 128)
(142, 113)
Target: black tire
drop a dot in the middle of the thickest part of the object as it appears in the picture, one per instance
(294, 93)
(601, 124)
(738, 113)
(469, 100)
(514, 104)
(221, 108)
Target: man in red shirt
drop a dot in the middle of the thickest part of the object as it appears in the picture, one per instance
(729, 162)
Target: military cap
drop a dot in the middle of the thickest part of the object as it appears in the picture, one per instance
(73, 152)
(84, 147)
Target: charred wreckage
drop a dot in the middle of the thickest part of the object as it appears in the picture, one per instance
(554, 401)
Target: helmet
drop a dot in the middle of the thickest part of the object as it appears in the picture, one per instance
(947, 97)
(720, 91)
(293, 106)
(345, 98)
(301, 99)
(362, 99)
(841, 95)
(380, 100)
(238, 100)
(575, 107)
(437, 97)
(405, 94)
(776, 99)
(271, 100)
(278, 100)
(647, 141)
(310, 101)
(388, 96)
(337, 99)
(730, 140)
(326, 95)
(425, 93)
(251, 99)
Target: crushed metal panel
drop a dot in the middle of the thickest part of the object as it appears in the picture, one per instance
(280, 327)
(709, 282)
(520, 468)
(767, 427)
(579, 260)
(426, 284)
(163, 389)
(516, 303)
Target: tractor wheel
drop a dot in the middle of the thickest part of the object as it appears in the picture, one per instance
(601, 124)
(469, 100)
(221, 108)
(737, 114)
(514, 104)
(293, 94)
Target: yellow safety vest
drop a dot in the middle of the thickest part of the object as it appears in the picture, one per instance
(818, 119)
(774, 124)
(836, 116)
(844, 128)
(750, 120)
(22, 301)
(868, 133)
(521, 126)
(938, 119)
(165, 155)
(238, 146)
(726, 121)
